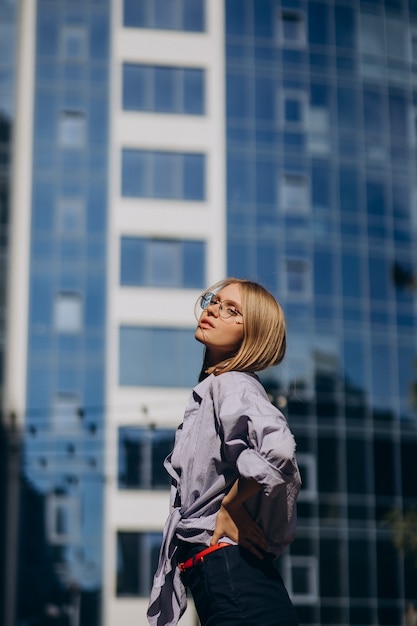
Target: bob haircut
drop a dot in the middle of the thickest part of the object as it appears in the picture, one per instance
(264, 333)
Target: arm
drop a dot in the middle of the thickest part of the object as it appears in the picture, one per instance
(234, 521)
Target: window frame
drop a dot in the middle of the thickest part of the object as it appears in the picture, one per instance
(152, 163)
(306, 292)
(310, 563)
(286, 192)
(66, 32)
(145, 438)
(297, 16)
(77, 206)
(72, 136)
(146, 246)
(308, 492)
(61, 324)
(69, 506)
(296, 95)
(146, 542)
(179, 77)
(65, 403)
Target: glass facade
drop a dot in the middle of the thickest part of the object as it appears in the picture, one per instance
(62, 485)
(162, 263)
(321, 164)
(186, 15)
(163, 89)
(143, 358)
(163, 175)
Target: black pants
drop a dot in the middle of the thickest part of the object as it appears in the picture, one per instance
(232, 587)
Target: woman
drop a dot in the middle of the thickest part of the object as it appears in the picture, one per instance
(234, 476)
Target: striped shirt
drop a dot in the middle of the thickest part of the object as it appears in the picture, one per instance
(230, 429)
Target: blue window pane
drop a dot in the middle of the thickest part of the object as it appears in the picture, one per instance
(163, 89)
(132, 263)
(135, 13)
(349, 191)
(354, 362)
(401, 202)
(375, 198)
(45, 115)
(163, 175)
(344, 27)
(239, 180)
(264, 18)
(351, 276)
(166, 175)
(194, 92)
(99, 37)
(346, 102)
(135, 348)
(194, 264)
(318, 23)
(136, 87)
(398, 116)
(194, 177)
(164, 263)
(373, 109)
(47, 39)
(167, 14)
(41, 301)
(166, 91)
(237, 96)
(265, 99)
(383, 380)
(236, 18)
(141, 456)
(193, 15)
(164, 343)
(266, 182)
(135, 173)
(158, 357)
(323, 273)
(320, 186)
(379, 278)
(95, 304)
(294, 110)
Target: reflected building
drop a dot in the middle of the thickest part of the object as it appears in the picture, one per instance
(158, 146)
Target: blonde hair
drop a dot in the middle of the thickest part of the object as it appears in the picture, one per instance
(264, 333)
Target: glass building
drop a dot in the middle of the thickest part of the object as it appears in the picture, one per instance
(321, 207)
(160, 145)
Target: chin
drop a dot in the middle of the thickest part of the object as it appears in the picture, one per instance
(199, 335)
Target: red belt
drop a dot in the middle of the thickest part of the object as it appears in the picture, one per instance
(197, 558)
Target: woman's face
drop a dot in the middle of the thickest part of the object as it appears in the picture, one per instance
(221, 336)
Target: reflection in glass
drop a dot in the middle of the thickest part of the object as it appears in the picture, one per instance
(142, 452)
(137, 559)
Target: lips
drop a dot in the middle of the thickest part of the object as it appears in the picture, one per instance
(206, 323)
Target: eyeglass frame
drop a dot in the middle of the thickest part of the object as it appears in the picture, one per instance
(206, 300)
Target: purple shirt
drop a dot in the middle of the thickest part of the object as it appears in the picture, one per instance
(230, 429)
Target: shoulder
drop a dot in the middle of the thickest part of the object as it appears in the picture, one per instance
(242, 384)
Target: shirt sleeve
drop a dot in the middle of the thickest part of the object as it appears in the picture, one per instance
(256, 437)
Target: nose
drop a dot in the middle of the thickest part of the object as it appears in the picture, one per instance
(211, 310)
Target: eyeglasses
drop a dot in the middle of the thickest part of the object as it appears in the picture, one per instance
(227, 308)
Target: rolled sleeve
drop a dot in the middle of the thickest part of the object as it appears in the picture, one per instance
(251, 464)
(258, 439)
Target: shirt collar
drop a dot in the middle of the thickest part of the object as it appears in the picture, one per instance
(201, 389)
